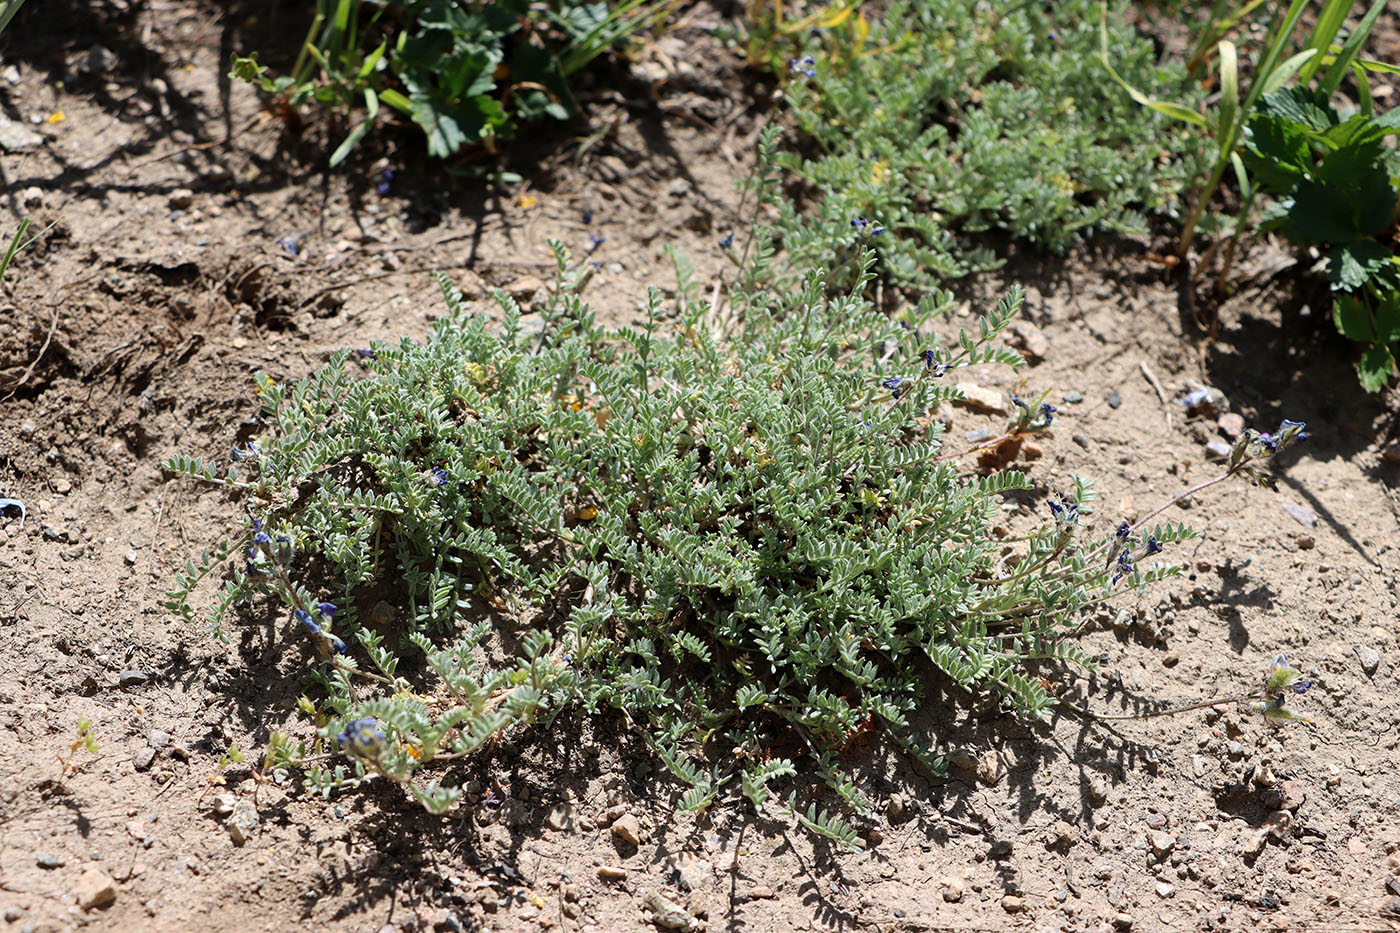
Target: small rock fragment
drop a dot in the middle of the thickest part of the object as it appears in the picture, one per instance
(953, 889)
(1231, 424)
(1122, 921)
(1013, 904)
(1370, 659)
(1217, 449)
(761, 892)
(224, 804)
(1029, 339)
(1098, 788)
(1302, 515)
(95, 888)
(159, 739)
(17, 136)
(1277, 823)
(1164, 889)
(49, 862)
(243, 824)
(668, 914)
(562, 818)
(990, 767)
(181, 199)
(142, 758)
(1061, 835)
(1289, 795)
(897, 811)
(1001, 849)
(628, 828)
(1162, 843)
(612, 873)
(524, 289)
(978, 397)
(963, 759)
(1114, 400)
(1253, 843)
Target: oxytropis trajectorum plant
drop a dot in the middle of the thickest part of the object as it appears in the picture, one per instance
(738, 527)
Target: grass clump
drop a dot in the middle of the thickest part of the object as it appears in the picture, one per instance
(465, 74)
(944, 119)
(740, 529)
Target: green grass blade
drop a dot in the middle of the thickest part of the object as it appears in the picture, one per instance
(1332, 79)
(1329, 20)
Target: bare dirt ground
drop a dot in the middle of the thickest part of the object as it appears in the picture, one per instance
(197, 242)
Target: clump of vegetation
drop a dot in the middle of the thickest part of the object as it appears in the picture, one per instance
(466, 74)
(1322, 163)
(942, 119)
(741, 529)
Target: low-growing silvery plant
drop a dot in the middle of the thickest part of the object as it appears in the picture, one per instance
(742, 531)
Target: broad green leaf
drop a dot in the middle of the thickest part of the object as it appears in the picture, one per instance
(1375, 368)
(1353, 319)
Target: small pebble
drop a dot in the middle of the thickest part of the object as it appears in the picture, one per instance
(224, 804)
(1072, 398)
(612, 873)
(1370, 659)
(1231, 424)
(897, 811)
(159, 739)
(628, 828)
(181, 199)
(143, 757)
(243, 824)
(49, 862)
(130, 679)
(95, 888)
(1114, 399)
(1013, 904)
(1302, 515)
(1162, 843)
(953, 889)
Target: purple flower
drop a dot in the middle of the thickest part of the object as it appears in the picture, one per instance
(1123, 531)
(439, 476)
(726, 241)
(385, 180)
(1300, 686)
(1153, 545)
(1019, 402)
(1066, 513)
(804, 66)
(305, 619)
(860, 223)
(338, 646)
(363, 737)
(261, 538)
(366, 354)
(932, 363)
(595, 241)
(876, 231)
(1125, 565)
(1047, 411)
(893, 384)
(587, 217)
(327, 609)
(240, 453)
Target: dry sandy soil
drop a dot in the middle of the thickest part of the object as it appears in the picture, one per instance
(196, 242)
